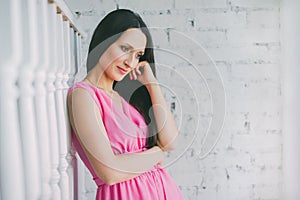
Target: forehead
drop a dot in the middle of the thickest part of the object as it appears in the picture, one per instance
(135, 37)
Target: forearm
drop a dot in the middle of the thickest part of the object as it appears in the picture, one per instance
(140, 162)
(166, 125)
(127, 166)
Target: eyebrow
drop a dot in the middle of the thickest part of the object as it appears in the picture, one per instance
(131, 47)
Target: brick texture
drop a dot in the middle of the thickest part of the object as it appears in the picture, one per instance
(200, 43)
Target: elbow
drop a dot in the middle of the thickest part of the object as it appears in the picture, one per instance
(168, 149)
(108, 171)
(171, 146)
(108, 176)
(109, 180)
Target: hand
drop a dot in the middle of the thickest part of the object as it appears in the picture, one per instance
(161, 154)
(142, 73)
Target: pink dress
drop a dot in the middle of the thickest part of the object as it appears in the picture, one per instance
(126, 131)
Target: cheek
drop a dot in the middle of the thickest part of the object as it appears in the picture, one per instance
(115, 54)
(111, 56)
(118, 57)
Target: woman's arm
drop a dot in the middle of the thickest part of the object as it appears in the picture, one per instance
(87, 123)
(166, 125)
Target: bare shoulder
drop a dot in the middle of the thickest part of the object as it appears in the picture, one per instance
(80, 104)
(79, 95)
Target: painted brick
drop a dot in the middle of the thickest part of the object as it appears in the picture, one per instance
(235, 193)
(80, 5)
(268, 72)
(257, 142)
(272, 191)
(242, 38)
(171, 20)
(150, 5)
(159, 37)
(254, 3)
(188, 4)
(220, 20)
(263, 18)
(194, 38)
(253, 35)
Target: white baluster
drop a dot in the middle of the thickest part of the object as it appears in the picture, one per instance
(69, 65)
(68, 47)
(41, 100)
(11, 171)
(72, 70)
(75, 175)
(61, 121)
(26, 101)
(79, 58)
(82, 191)
(73, 170)
(81, 169)
(55, 176)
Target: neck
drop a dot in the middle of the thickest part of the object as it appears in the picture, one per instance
(100, 83)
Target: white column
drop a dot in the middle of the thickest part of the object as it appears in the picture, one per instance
(69, 44)
(68, 47)
(75, 176)
(82, 191)
(37, 66)
(11, 171)
(41, 100)
(73, 158)
(290, 16)
(27, 118)
(51, 108)
(61, 121)
(78, 56)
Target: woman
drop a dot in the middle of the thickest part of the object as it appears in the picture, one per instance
(123, 144)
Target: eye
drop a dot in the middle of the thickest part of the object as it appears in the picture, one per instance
(124, 48)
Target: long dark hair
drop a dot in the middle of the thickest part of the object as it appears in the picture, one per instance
(107, 32)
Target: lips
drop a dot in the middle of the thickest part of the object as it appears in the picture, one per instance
(123, 71)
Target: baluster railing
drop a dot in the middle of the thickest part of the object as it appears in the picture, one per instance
(68, 44)
(69, 65)
(11, 170)
(51, 75)
(41, 100)
(27, 120)
(81, 169)
(61, 120)
(82, 190)
(73, 170)
(37, 66)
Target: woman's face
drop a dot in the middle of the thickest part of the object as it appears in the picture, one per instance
(123, 55)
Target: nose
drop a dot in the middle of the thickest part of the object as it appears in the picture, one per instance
(131, 61)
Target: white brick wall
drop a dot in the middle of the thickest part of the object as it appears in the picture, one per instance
(242, 37)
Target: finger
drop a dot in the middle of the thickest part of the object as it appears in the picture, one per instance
(130, 75)
(138, 71)
(134, 75)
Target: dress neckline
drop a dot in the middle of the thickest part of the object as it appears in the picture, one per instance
(122, 109)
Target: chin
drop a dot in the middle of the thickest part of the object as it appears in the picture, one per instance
(119, 78)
